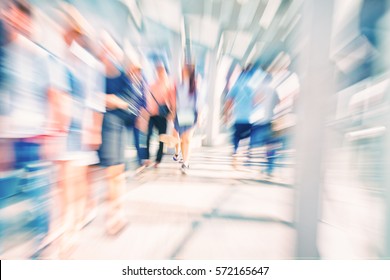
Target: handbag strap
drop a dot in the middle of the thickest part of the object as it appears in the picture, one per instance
(158, 103)
(154, 97)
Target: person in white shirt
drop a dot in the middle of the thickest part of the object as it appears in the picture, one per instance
(186, 114)
(265, 101)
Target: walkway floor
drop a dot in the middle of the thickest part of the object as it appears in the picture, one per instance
(213, 212)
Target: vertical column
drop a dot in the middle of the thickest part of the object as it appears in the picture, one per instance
(177, 57)
(385, 252)
(213, 101)
(383, 35)
(316, 74)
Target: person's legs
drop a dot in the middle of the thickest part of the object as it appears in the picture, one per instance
(241, 131)
(177, 146)
(67, 187)
(236, 142)
(256, 140)
(75, 205)
(186, 149)
(116, 183)
(151, 124)
(112, 174)
(261, 136)
(63, 192)
(271, 152)
(112, 158)
(236, 137)
(186, 142)
(91, 203)
(7, 158)
(116, 176)
(270, 148)
(161, 124)
(81, 195)
(256, 137)
(136, 133)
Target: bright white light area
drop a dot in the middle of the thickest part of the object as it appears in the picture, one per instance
(82, 54)
(233, 78)
(222, 70)
(352, 59)
(242, 2)
(247, 13)
(373, 93)
(366, 133)
(167, 13)
(204, 30)
(134, 11)
(241, 44)
(183, 33)
(251, 55)
(291, 27)
(111, 46)
(132, 53)
(220, 46)
(346, 13)
(289, 86)
(269, 13)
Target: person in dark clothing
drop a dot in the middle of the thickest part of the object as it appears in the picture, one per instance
(162, 93)
(112, 150)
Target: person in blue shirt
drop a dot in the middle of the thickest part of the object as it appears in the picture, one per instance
(264, 102)
(239, 106)
(134, 72)
(5, 145)
(112, 149)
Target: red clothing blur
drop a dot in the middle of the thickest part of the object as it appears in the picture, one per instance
(165, 94)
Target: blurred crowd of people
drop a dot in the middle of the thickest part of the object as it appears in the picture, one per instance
(249, 107)
(72, 109)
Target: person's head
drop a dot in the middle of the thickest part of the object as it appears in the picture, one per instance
(18, 15)
(185, 75)
(74, 26)
(72, 34)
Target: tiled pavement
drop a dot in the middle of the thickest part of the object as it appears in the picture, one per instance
(213, 212)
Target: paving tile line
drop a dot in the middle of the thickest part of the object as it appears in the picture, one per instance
(215, 213)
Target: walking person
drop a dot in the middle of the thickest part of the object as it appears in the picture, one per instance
(239, 107)
(5, 144)
(112, 149)
(160, 102)
(39, 102)
(75, 151)
(186, 114)
(265, 101)
(88, 84)
(134, 72)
